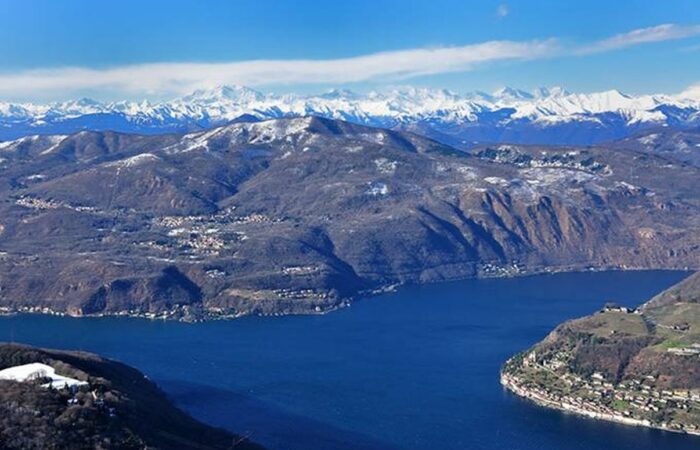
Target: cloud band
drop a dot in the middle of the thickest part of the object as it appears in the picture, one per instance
(178, 78)
(183, 77)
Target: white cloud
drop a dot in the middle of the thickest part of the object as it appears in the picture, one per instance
(502, 10)
(164, 78)
(658, 33)
(691, 92)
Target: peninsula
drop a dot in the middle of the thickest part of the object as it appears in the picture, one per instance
(632, 366)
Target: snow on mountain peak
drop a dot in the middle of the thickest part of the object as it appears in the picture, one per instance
(85, 102)
(344, 94)
(77, 107)
(554, 91)
(232, 93)
(402, 106)
(692, 93)
(511, 94)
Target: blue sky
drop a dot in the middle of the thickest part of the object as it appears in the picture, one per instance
(133, 49)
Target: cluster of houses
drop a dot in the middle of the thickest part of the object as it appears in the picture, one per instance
(37, 203)
(496, 270)
(301, 294)
(691, 350)
(42, 204)
(300, 270)
(612, 307)
(206, 234)
(570, 160)
(635, 401)
(226, 216)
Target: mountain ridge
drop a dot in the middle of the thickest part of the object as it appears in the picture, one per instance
(544, 116)
(300, 215)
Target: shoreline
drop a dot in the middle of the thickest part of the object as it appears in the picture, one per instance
(510, 384)
(205, 316)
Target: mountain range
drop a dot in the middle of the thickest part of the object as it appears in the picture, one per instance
(302, 214)
(544, 116)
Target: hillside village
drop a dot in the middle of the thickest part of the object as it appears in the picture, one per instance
(632, 402)
(556, 373)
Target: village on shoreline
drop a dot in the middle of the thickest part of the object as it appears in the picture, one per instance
(631, 402)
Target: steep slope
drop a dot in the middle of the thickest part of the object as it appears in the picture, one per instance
(116, 408)
(301, 214)
(687, 291)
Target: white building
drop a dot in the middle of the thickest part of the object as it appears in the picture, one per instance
(35, 371)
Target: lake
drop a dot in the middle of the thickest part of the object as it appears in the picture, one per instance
(414, 369)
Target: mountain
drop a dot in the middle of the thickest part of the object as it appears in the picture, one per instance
(681, 145)
(545, 116)
(639, 367)
(301, 215)
(115, 407)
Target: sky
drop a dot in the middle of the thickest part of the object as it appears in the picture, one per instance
(126, 49)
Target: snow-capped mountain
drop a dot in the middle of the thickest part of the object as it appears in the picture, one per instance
(545, 115)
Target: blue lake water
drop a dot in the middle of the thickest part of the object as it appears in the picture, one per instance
(414, 369)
